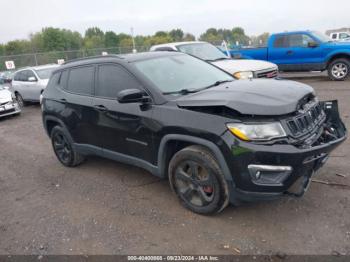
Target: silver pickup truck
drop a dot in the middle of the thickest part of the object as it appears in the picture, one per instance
(239, 68)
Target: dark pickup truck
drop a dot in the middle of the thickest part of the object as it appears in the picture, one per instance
(303, 51)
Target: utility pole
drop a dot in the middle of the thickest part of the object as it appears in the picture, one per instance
(133, 40)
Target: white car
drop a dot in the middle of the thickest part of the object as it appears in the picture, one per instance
(340, 36)
(240, 68)
(8, 103)
(29, 83)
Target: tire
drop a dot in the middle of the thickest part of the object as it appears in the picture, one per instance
(197, 179)
(63, 148)
(339, 69)
(20, 100)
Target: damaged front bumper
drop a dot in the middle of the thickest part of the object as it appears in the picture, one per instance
(10, 108)
(265, 172)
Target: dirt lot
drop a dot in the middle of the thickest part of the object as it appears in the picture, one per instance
(103, 207)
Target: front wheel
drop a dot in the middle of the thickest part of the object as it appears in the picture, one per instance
(339, 69)
(20, 100)
(197, 180)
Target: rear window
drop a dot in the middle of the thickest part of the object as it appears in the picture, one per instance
(81, 80)
(280, 41)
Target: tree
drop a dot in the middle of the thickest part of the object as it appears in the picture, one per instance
(94, 31)
(238, 35)
(53, 39)
(161, 34)
(17, 47)
(211, 36)
(73, 40)
(93, 42)
(177, 35)
(111, 39)
(189, 37)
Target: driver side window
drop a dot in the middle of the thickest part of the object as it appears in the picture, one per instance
(112, 79)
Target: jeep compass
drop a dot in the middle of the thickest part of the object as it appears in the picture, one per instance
(216, 140)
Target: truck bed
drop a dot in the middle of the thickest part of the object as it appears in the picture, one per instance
(259, 53)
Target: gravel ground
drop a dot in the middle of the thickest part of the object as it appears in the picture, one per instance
(104, 207)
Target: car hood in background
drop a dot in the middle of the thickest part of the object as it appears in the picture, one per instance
(253, 97)
(5, 96)
(241, 65)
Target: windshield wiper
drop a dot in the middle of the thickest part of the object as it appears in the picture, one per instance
(182, 92)
(218, 59)
(217, 83)
(189, 91)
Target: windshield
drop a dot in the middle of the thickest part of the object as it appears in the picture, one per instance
(322, 37)
(45, 73)
(181, 72)
(203, 51)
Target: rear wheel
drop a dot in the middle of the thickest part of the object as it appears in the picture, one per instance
(339, 69)
(197, 180)
(20, 100)
(64, 149)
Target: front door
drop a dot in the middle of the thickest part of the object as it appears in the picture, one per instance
(293, 53)
(123, 128)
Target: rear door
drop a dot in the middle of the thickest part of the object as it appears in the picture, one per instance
(20, 84)
(77, 101)
(123, 128)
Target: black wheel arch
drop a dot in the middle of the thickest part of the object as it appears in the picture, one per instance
(338, 56)
(165, 152)
(51, 121)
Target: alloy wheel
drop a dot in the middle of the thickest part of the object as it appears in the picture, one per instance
(194, 184)
(339, 70)
(20, 101)
(62, 147)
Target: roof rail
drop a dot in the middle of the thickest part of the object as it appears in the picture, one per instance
(91, 57)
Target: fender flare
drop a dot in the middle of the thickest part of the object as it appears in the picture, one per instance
(332, 55)
(60, 122)
(196, 140)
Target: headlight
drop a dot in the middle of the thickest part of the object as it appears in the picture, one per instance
(244, 75)
(257, 132)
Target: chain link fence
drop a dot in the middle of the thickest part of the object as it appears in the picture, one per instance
(35, 59)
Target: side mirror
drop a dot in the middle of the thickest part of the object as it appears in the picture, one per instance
(132, 96)
(312, 44)
(32, 79)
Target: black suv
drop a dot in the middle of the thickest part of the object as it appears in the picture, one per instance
(217, 140)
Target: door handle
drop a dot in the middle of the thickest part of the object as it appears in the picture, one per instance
(63, 100)
(289, 52)
(101, 108)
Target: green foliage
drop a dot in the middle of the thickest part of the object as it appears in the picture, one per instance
(177, 35)
(234, 35)
(94, 31)
(59, 40)
(111, 39)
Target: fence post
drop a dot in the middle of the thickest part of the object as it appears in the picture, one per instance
(36, 59)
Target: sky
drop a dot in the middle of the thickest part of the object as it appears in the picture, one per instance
(22, 17)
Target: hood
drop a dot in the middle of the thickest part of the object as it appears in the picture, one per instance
(238, 65)
(5, 96)
(253, 97)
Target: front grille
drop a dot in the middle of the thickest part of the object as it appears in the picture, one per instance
(306, 120)
(267, 74)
